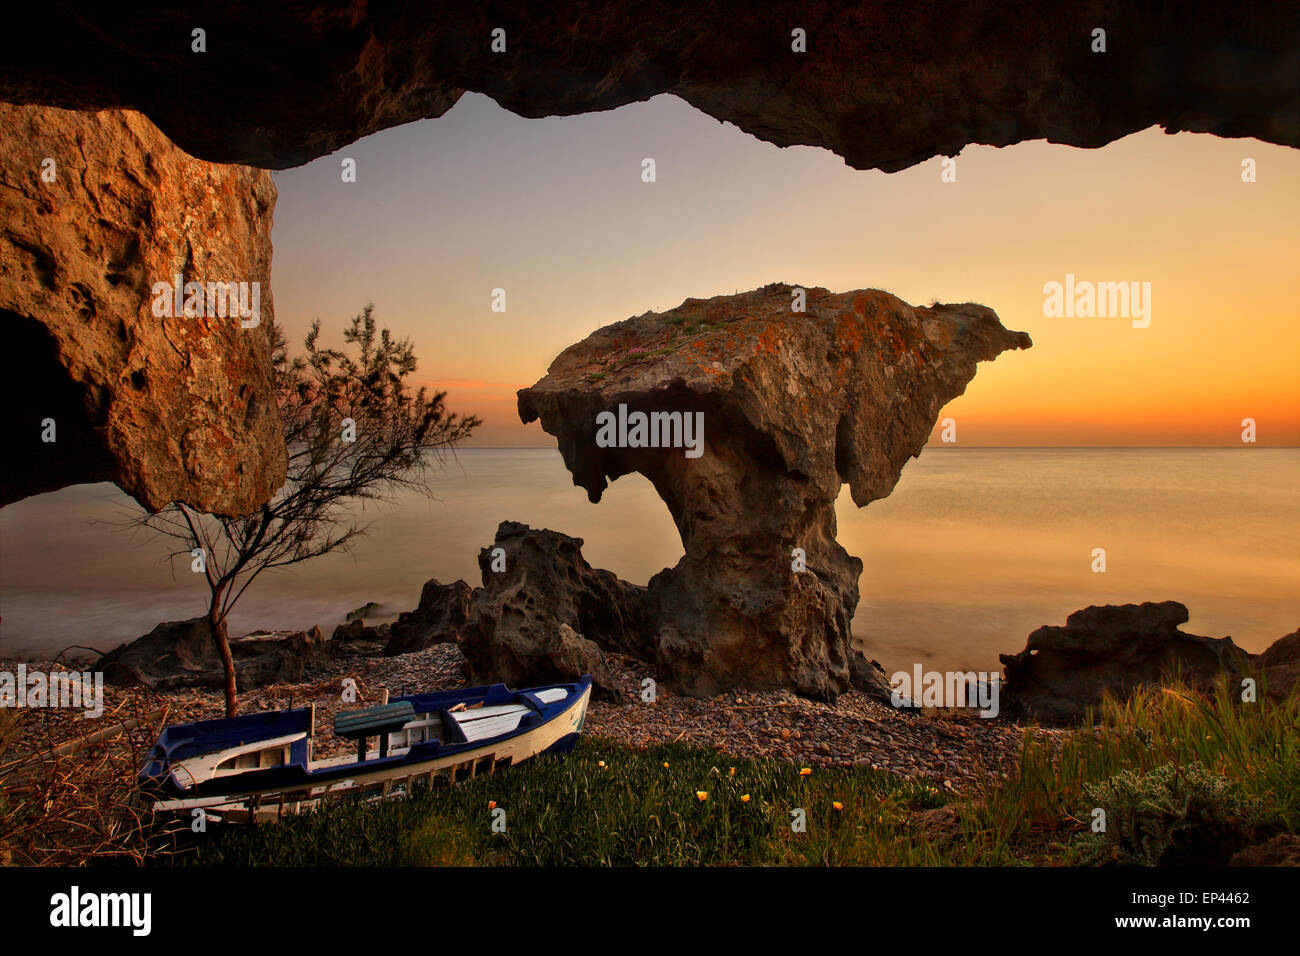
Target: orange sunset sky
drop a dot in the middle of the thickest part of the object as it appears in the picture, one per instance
(554, 211)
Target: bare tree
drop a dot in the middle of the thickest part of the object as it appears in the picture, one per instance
(354, 431)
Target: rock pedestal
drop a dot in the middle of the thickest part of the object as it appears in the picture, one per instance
(748, 415)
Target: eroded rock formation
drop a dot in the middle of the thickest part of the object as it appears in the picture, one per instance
(1109, 649)
(883, 84)
(438, 619)
(545, 614)
(95, 208)
(792, 405)
(275, 85)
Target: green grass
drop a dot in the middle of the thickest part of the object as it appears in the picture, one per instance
(1043, 810)
(574, 812)
(635, 811)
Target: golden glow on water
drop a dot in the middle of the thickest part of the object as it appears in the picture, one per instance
(973, 550)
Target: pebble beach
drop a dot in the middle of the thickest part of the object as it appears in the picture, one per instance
(954, 750)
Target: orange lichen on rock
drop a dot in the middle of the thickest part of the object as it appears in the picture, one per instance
(169, 407)
(793, 404)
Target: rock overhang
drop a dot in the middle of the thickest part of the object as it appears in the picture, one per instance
(800, 391)
(883, 85)
(796, 381)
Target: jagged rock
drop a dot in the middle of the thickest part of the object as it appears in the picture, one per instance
(1108, 649)
(549, 613)
(794, 404)
(164, 657)
(883, 84)
(357, 638)
(439, 618)
(522, 654)
(183, 654)
(169, 408)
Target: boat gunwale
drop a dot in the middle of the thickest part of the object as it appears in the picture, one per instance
(163, 788)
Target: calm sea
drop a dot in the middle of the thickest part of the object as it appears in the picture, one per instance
(973, 550)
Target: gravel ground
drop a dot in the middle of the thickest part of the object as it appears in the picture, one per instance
(953, 749)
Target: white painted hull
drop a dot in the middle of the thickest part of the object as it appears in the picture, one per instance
(390, 781)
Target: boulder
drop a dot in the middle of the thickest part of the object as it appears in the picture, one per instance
(524, 654)
(183, 654)
(1280, 663)
(548, 614)
(884, 85)
(369, 609)
(1108, 649)
(356, 638)
(263, 658)
(1285, 650)
(869, 677)
(792, 404)
(169, 408)
(439, 618)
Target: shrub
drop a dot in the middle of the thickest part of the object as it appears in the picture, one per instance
(1171, 814)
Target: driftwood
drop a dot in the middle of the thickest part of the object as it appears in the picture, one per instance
(108, 733)
(151, 719)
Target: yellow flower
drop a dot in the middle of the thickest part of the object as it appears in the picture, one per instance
(702, 795)
(744, 798)
(837, 805)
(665, 764)
(733, 771)
(600, 763)
(806, 771)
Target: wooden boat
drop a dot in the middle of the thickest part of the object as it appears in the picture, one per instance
(260, 766)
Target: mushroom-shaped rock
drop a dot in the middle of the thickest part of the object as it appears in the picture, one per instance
(748, 413)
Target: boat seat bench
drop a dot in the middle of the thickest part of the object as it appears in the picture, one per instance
(360, 725)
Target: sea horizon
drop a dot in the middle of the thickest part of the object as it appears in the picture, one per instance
(960, 563)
